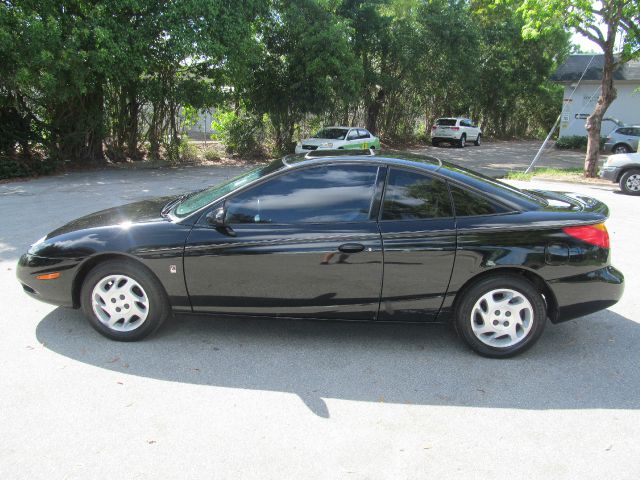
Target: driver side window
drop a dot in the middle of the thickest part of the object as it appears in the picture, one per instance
(334, 193)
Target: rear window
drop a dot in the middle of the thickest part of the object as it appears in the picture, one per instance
(448, 122)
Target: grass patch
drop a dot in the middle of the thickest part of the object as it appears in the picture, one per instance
(545, 172)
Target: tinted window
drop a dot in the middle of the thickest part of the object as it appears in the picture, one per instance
(197, 200)
(446, 121)
(635, 132)
(410, 195)
(469, 203)
(331, 133)
(340, 193)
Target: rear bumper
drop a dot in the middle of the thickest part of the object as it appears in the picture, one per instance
(586, 293)
(56, 292)
(445, 138)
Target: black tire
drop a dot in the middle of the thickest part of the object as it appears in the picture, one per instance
(477, 140)
(630, 182)
(463, 141)
(435, 143)
(473, 294)
(621, 148)
(158, 303)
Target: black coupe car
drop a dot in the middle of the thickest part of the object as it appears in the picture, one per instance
(350, 236)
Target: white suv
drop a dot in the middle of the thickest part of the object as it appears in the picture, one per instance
(457, 131)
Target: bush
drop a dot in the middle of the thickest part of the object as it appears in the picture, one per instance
(12, 168)
(187, 151)
(576, 142)
(242, 134)
(211, 155)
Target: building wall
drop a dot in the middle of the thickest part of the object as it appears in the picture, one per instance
(625, 108)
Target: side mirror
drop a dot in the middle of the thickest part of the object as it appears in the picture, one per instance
(216, 217)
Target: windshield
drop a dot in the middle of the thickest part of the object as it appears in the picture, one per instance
(332, 133)
(196, 201)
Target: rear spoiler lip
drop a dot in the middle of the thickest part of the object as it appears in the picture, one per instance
(584, 203)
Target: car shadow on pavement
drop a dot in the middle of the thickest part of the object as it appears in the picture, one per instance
(590, 363)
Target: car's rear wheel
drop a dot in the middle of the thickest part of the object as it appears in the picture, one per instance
(477, 141)
(630, 182)
(435, 143)
(621, 148)
(463, 141)
(501, 316)
(124, 301)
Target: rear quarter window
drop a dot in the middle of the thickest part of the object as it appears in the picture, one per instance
(470, 204)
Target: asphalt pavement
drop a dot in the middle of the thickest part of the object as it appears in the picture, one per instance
(497, 157)
(221, 398)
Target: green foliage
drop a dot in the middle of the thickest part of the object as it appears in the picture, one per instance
(303, 67)
(576, 142)
(83, 79)
(242, 133)
(187, 151)
(211, 155)
(14, 168)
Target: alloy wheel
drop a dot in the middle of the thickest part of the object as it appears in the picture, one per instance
(120, 303)
(502, 318)
(633, 182)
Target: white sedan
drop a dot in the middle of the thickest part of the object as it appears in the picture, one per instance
(332, 138)
(624, 169)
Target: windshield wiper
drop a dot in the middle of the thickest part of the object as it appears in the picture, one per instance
(180, 198)
(165, 210)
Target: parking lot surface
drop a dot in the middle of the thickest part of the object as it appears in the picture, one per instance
(222, 398)
(497, 157)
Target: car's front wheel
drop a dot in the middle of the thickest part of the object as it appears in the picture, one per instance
(630, 182)
(124, 301)
(501, 316)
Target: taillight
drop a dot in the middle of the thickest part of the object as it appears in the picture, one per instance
(455, 128)
(434, 127)
(593, 234)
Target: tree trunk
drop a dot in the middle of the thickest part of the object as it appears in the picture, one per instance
(133, 108)
(94, 104)
(594, 123)
(373, 111)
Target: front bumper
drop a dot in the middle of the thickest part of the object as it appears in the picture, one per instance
(586, 293)
(300, 149)
(610, 173)
(58, 291)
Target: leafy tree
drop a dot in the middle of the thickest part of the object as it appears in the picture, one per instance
(605, 23)
(303, 67)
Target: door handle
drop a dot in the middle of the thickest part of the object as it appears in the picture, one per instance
(351, 248)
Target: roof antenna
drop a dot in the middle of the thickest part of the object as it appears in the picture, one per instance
(555, 125)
